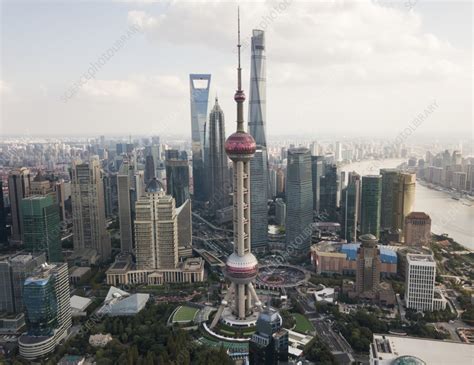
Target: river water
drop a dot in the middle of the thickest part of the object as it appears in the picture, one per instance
(449, 216)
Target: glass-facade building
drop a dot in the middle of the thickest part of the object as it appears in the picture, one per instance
(370, 205)
(299, 201)
(41, 230)
(199, 88)
(177, 176)
(330, 185)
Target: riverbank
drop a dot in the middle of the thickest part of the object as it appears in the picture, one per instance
(448, 216)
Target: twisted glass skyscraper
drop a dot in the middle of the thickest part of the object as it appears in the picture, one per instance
(199, 86)
(259, 183)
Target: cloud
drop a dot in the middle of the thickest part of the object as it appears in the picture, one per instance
(349, 41)
(5, 88)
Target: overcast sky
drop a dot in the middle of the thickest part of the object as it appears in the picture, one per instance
(334, 67)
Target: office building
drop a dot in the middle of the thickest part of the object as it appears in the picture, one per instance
(420, 293)
(280, 211)
(417, 230)
(14, 269)
(124, 195)
(328, 193)
(41, 231)
(259, 200)
(156, 229)
(259, 174)
(269, 344)
(46, 296)
(280, 182)
(338, 152)
(3, 217)
(218, 171)
(370, 205)
(299, 200)
(404, 199)
(177, 176)
(199, 88)
(18, 188)
(317, 171)
(389, 177)
(88, 209)
(368, 267)
(350, 208)
(150, 170)
(185, 230)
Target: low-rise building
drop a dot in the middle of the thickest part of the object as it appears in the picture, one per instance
(100, 340)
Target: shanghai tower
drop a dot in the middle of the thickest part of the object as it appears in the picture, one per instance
(241, 266)
(199, 86)
(256, 126)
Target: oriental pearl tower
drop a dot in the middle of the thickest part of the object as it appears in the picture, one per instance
(241, 266)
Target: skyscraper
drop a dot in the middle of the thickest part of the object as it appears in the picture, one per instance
(389, 176)
(350, 207)
(88, 208)
(18, 188)
(404, 198)
(149, 168)
(46, 296)
(338, 152)
(177, 176)
(259, 177)
(259, 200)
(199, 87)
(241, 266)
(328, 193)
(124, 187)
(41, 231)
(3, 217)
(317, 171)
(217, 162)
(370, 205)
(420, 282)
(368, 266)
(156, 229)
(417, 230)
(299, 200)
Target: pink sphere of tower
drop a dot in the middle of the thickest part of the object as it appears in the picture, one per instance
(240, 146)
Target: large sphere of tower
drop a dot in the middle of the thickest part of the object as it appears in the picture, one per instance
(240, 146)
(241, 269)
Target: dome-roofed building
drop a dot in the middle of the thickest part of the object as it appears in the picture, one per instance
(154, 186)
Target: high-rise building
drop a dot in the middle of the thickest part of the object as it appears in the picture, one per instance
(370, 205)
(156, 229)
(328, 193)
(417, 230)
(258, 89)
(280, 211)
(368, 267)
(317, 171)
(199, 87)
(389, 177)
(3, 217)
(404, 199)
(88, 208)
(219, 192)
(420, 282)
(259, 175)
(241, 266)
(18, 188)
(14, 269)
(46, 296)
(350, 208)
(269, 343)
(259, 200)
(124, 187)
(185, 230)
(149, 168)
(299, 200)
(177, 176)
(338, 152)
(280, 181)
(41, 231)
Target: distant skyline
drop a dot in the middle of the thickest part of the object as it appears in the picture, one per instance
(334, 68)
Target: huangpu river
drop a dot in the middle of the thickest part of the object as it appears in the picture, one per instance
(454, 217)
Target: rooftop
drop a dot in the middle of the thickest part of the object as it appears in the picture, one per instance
(413, 257)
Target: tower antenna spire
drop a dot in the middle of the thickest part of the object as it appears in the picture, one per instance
(239, 94)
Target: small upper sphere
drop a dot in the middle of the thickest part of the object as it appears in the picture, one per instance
(240, 145)
(239, 96)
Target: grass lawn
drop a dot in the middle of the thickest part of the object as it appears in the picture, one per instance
(185, 314)
(302, 323)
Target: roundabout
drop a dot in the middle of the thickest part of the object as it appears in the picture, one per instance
(281, 276)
